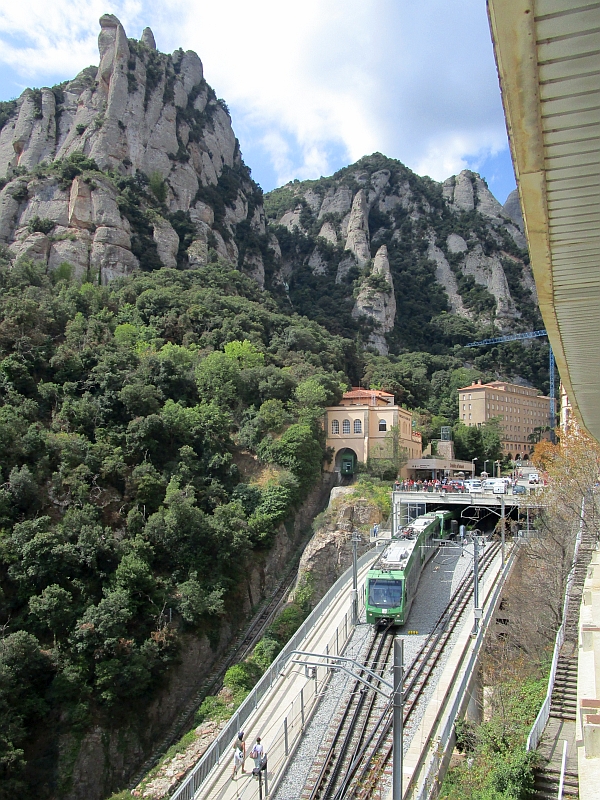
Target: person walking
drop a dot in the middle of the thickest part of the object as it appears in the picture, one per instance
(257, 753)
(239, 753)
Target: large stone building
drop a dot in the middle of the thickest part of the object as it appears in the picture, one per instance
(519, 410)
(361, 423)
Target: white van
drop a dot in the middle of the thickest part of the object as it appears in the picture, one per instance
(495, 485)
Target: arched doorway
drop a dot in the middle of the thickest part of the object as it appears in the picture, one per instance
(346, 461)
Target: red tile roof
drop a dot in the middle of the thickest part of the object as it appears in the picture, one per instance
(356, 391)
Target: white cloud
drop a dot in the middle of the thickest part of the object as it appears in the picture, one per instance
(58, 36)
(414, 80)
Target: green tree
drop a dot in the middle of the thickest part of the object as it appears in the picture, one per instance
(54, 609)
(244, 354)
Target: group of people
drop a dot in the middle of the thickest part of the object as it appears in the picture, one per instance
(239, 755)
(433, 485)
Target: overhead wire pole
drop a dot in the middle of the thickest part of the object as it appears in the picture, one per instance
(514, 337)
(355, 541)
(398, 721)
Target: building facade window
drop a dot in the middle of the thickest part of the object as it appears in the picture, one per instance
(382, 425)
(335, 426)
(346, 426)
(357, 426)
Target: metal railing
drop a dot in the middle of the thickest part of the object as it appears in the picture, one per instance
(455, 490)
(427, 769)
(544, 713)
(223, 742)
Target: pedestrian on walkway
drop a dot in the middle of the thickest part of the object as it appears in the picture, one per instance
(239, 753)
(257, 753)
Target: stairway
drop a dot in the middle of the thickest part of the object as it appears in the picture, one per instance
(564, 694)
(547, 780)
(563, 705)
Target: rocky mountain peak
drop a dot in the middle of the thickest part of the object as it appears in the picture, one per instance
(133, 164)
(452, 252)
(148, 39)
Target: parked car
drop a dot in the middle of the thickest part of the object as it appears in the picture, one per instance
(473, 485)
(495, 485)
(533, 479)
(518, 489)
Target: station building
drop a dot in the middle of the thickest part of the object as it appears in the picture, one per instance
(360, 424)
(519, 410)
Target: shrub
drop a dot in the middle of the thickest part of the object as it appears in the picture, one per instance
(20, 194)
(242, 677)
(7, 109)
(213, 708)
(286, 623)
(40, 225)
(265, 651)
(158, 186)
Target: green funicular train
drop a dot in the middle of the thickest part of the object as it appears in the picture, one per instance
(348, 464)
(393, 579)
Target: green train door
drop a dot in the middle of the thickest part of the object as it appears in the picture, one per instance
(347, 464)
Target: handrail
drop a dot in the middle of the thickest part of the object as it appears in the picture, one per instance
(563, 769)
(539, 724)
(190, 785)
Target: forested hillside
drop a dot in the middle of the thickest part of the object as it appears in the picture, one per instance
(124, 519)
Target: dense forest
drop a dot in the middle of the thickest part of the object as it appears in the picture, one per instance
(122, 507)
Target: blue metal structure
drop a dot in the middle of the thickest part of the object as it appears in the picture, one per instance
(514, 337)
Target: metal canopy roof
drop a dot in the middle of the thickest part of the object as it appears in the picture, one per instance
(548, 57)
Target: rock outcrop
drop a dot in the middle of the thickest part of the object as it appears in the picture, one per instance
(449, 250)
(357, 231)
(377, 300)
(118, 167)
(329, 553)
(443, 271)
(512, 209)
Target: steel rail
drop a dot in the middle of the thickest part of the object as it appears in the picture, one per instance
(428, 657)
(323, 782)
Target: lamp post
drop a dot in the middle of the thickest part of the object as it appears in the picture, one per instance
(473, 460)
(485, 463)
(497, 465)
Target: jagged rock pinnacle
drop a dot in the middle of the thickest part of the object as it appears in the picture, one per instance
(148, 38)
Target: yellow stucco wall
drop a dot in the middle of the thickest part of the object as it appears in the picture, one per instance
(370, 442)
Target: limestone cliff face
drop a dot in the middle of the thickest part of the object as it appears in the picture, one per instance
(329, 553)
(377, 300)
(451, 249)
(133, 164)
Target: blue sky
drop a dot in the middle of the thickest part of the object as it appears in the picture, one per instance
(311, 87)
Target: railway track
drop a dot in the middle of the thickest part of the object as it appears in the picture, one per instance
(240, 648)
(356, 753)
(353, 720)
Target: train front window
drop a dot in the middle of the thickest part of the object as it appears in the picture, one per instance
(385, 593)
